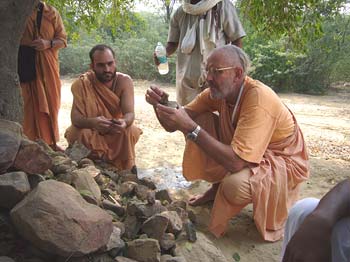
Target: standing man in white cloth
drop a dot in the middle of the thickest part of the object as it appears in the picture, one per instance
(196, 28)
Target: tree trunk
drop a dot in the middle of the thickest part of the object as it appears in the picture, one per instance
(13, 15)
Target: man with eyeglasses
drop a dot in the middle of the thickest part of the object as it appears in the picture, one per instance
(252, 151)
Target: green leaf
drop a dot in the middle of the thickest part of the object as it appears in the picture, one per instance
(236, 257)
(188, 246)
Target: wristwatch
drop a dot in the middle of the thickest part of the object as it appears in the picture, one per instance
(194, 134)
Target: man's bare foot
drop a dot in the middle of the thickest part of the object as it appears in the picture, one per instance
(202, 199)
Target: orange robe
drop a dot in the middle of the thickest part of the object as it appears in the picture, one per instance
(42, 96)
(264, 133)
(93, 99)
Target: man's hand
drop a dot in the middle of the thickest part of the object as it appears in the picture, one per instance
(118, 126)
(311, 243)
(101, 124)
(154, 95)
(175, 118)
(155, 59)
(40, 44)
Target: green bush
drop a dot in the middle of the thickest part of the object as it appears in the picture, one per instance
(74, 60)
(134, 57)
(274, 61)
(134, 54)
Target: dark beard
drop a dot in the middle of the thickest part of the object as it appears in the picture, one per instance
(104, 78)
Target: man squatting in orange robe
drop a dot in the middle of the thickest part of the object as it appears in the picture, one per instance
(103, 111)
(42, 96)
(253, 151)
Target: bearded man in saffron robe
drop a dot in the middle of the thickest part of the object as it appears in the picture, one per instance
(103, 111)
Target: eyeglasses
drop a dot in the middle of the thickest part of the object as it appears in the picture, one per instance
(215, 71)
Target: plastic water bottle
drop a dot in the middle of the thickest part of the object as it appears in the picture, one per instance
(160, 51)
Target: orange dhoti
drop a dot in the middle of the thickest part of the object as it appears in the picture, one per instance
(42, 96)
(272, 185)
(118, 149)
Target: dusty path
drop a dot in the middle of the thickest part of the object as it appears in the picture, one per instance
(325, 121)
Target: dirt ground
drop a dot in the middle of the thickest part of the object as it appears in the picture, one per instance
(325, 121)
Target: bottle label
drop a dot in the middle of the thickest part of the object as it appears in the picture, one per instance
(162, 59)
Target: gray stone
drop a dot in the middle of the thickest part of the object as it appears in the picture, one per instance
(192, 216)
(77, 151)
(175, 223)
(180, 211)
(35, 179)
(127, 176)
(121, 226)
(83, 181)
(58, 161)
(178, 203)
(56, 219)
(155, 226)
(167, 241)
(6, 259)
(190, 230)
(124, 259)
(13, 188)
(132, 227)
(31, 158)
(115, 244)
(168, 258)
(117, 209)
(141, 192)
(10, 141)
(88, 258)
(145, 211)
(127, 189)
(202, 250)
(144, 250)
(64, 168)
(148, 182)
(65, 178)
(164, 196)
(101, 180)
(112, 186)
(48, 174)
(85, 162)
(151, 197)
(111, 174)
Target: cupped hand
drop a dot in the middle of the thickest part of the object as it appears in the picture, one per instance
(176, 118)
(40, 44)
(118, 126)
(102, 124)
(154, 95)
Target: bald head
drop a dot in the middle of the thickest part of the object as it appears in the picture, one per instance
(232, 55)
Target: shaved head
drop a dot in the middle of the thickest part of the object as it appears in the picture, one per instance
(233, 55)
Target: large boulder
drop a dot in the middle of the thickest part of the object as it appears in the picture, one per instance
(13, 187)
(56, 219)
(31, 158)
(10, 140)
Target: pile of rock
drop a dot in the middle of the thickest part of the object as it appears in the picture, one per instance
(65, 207)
